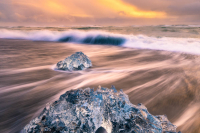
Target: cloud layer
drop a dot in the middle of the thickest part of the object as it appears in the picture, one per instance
(98, 12)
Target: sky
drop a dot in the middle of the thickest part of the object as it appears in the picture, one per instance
(98, 12)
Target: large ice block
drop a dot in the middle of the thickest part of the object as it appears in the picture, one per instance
(85, 111)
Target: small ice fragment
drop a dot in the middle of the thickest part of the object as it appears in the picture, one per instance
(77, 61)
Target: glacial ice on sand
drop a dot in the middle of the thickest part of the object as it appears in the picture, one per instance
(85, 111)
(77, 61)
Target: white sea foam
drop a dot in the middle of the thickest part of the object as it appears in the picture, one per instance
(47, 35)
(185, 45)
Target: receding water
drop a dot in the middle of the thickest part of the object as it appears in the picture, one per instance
(166, 82)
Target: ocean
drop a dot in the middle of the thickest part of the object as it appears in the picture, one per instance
(177, 38)
(154, 65)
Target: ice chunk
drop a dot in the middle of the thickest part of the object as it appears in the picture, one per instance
(79, 111)
(77, 61)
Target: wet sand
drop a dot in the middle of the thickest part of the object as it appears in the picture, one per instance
(165, 82)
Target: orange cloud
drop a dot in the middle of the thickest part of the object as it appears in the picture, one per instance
(55, 7)
(72, 12)
(90, 8)
(125, 9)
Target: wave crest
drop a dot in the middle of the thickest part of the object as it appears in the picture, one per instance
(185, 45)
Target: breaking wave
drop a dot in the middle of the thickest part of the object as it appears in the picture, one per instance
(185, 45)
(68, 36)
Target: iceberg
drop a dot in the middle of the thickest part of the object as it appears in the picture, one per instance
(77, 61)
(87, 111)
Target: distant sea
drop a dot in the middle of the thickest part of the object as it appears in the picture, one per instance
(177, 38)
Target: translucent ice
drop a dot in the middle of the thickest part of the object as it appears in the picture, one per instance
(85, 111)
(77, 61)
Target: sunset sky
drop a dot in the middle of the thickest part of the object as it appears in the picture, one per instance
(98, 12)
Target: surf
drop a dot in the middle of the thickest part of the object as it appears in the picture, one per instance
(183, 45)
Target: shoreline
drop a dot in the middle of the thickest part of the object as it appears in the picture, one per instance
(165, 82)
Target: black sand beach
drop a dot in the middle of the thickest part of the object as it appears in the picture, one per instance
(165, 82)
